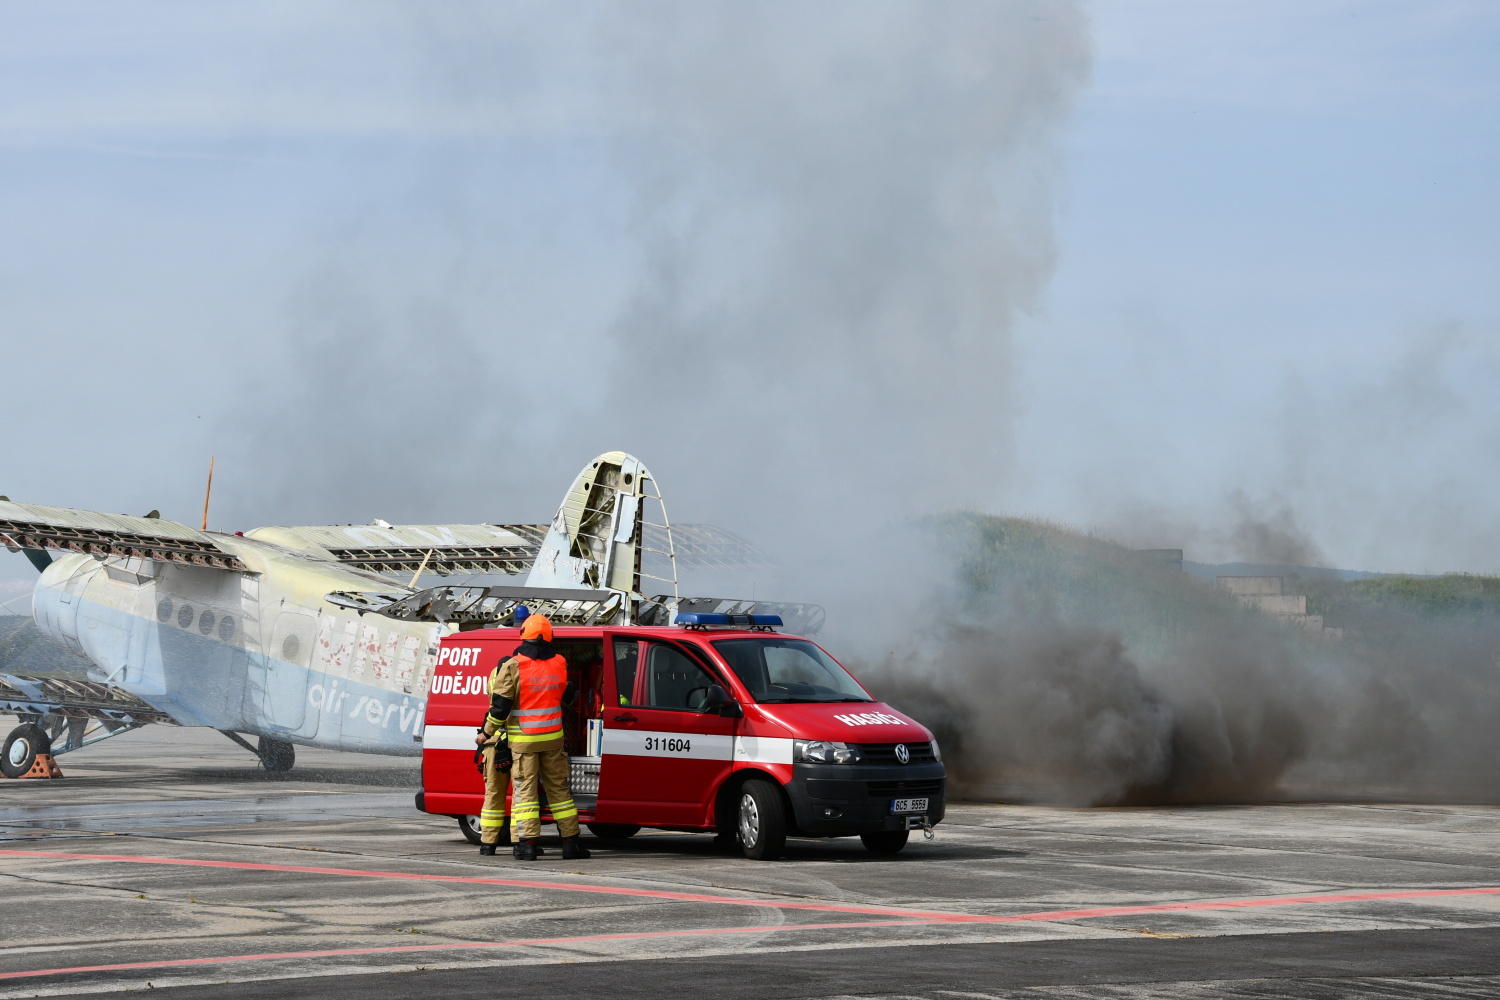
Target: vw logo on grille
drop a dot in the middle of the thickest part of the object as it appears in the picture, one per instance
(902, 754)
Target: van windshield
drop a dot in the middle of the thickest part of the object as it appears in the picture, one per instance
(781, 671)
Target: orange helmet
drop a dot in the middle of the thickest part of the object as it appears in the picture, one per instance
(537, 627)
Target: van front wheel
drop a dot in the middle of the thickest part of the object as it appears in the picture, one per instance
(885, 841)
(762, 820)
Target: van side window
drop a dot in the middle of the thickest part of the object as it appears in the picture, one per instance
(627, 656)
(672, 680)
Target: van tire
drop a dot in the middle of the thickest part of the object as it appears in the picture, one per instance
(885, 841)
(761, 819)
(614, 831)
(469, 827)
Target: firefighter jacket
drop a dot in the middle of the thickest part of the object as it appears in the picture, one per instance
(536, 722)
(502, 679)
(530, 693)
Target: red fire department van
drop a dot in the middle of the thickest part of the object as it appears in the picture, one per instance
(717, 725)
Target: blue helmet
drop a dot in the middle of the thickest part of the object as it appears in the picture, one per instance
(522, 613)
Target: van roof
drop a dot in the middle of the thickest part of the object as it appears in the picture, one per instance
(653, 631)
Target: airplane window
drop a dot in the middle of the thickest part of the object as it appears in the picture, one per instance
(185, 616)
(206, 622)
(164, 610)
(226, 628)
(290, 647)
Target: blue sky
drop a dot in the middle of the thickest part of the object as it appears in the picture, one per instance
(1243, 263)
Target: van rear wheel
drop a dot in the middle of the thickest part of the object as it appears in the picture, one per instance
(762, 820)
(614, 831)
(885, 841)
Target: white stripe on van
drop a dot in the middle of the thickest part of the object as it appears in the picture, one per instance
(762, 750)
(693, 746)
(449, 738)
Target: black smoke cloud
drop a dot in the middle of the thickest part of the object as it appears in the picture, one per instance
(1062, 668)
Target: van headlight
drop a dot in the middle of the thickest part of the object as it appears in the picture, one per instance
(937, 754)
(823, 752)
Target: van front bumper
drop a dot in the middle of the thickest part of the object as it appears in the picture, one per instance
(834, 800)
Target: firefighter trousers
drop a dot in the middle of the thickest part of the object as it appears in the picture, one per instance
(496, 788)
(550, 767)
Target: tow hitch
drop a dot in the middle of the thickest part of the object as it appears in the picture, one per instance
(921, 823)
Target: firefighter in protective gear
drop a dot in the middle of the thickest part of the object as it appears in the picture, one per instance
(497, 761)
(531, 689)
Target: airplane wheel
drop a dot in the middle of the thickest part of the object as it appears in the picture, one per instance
(614, 831)
(21, 748)
(276, 755)
(469, 826)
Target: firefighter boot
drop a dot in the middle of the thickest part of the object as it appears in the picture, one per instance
(573, 850)
(528, 850)
(487, 850)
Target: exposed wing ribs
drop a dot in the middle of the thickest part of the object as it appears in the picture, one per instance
(33, 526)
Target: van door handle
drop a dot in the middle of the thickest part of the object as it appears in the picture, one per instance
(624, 718)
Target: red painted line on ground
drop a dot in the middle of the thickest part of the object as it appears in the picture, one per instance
(1046, 915)
(693, 897)
(395, 949)
(1229, 904)
(681, 897)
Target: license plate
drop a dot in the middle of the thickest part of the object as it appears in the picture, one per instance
(909, 806)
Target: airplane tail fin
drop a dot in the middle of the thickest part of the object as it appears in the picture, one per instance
(596, 540)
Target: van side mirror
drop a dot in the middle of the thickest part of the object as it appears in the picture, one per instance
(718, 702)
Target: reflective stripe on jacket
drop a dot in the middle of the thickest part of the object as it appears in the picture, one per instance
(538, 714)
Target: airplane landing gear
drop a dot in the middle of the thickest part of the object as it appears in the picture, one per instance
(276, 755)
(20, 749)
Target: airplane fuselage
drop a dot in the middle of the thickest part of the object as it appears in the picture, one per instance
(256, 652)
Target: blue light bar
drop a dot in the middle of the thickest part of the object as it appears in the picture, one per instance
(704, 619)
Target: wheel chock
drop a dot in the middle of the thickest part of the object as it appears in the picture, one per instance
(44, 767)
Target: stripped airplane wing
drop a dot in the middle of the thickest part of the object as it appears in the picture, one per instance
(33, 526)
(445, 549)
(400, 550)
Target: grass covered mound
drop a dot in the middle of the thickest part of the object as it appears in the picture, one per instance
(1067, 668)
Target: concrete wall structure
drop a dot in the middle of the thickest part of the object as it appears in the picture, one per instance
(1263, 593)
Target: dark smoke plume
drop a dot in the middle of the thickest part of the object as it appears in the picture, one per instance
(1066, 669)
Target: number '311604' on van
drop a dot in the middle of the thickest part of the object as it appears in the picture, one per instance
(717, 724)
